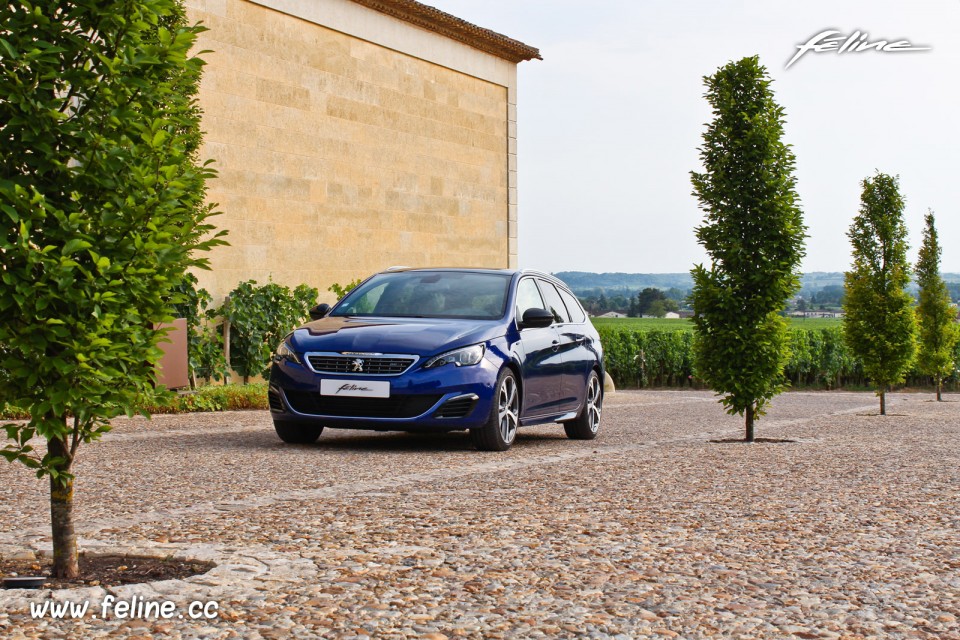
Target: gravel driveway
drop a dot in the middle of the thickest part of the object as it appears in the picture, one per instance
(852, 530)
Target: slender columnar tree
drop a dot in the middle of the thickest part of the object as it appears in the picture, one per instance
(878, 323)
(754, 234)
(938, 331)
(101, 203)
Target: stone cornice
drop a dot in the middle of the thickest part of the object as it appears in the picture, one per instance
(432, 19)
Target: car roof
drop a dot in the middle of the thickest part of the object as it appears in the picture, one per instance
(510, 272)
(460, 269)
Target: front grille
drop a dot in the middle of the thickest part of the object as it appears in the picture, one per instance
(401, 406)
(457, 407)
(369, 365)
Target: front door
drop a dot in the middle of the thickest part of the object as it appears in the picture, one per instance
(540, 357)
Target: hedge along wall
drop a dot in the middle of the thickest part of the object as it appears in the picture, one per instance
(659, 358)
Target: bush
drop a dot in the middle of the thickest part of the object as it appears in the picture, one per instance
(204, 344)
(259, 318)
(233, 397)
(340, 290)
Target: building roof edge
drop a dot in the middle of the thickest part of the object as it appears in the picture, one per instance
(432, 19)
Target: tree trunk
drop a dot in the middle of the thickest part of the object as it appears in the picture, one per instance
(883, 403)
(65, 561)
(939, 390)
(226, 344)
(749, 436)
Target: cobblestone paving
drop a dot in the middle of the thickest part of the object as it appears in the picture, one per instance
(659, 528)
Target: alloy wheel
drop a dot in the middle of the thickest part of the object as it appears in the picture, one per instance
(508, 406)
(594, 402)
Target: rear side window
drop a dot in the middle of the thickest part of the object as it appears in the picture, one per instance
(528, 297)
(573, 307)
(554, 301)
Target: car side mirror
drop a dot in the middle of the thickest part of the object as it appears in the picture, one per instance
(319, 311)
(536, 318)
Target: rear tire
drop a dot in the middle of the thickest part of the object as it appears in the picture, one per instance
(586, 425)
(297, 432)
(500, 430)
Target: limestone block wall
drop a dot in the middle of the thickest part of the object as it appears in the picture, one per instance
(348, 141)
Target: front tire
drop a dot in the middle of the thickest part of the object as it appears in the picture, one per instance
(500, 429)
(587, 424)
(297, 432)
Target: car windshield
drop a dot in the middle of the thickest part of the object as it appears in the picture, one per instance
(429, 294)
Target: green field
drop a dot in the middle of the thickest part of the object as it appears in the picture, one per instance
(664, 324)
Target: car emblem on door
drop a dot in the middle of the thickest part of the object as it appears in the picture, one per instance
(357, 365)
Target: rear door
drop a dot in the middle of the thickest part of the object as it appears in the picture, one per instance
(580, 356)
(572, 379)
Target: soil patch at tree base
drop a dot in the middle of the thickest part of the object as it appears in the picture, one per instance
(755, 441)
(107, 571)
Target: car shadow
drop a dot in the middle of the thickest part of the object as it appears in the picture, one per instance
(345, 439)
(357, 440)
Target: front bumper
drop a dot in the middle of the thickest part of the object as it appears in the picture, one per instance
(448, 398)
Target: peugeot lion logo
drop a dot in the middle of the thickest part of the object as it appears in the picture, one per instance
(357, 365)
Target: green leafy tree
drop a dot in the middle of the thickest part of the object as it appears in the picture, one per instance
(676, 294)
(340, 290)
(657, 309)
(205, 341)
(260, 316)
(602, 304)
(938, 332)
(618, 302)
(101, 198)
(879, 323)
(647, 297)
(192, 303)
(754, 235)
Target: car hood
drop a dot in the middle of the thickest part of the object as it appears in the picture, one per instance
(421, 336)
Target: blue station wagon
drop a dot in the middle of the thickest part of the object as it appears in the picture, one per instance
(482, 350)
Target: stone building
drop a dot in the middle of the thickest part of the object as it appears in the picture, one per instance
(352, 135)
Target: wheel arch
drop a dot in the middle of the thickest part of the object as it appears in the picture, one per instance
(514, 367)
(598, 369)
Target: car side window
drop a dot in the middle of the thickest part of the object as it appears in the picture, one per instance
(573, 307)
(528, 297)
(554, 301)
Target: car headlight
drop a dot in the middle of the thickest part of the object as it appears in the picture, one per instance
(284, 352)
(460, 357)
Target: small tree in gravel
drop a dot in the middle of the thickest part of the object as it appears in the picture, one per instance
(879, 323)
(260, 316)
(938, 332)
(754, 234)
(101, 199)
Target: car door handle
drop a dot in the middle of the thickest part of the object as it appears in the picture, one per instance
(556, 345)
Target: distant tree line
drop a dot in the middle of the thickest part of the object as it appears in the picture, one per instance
(650, 301)
(832, 296)
(600, 300)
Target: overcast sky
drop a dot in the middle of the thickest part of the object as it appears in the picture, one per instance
(611, 119)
